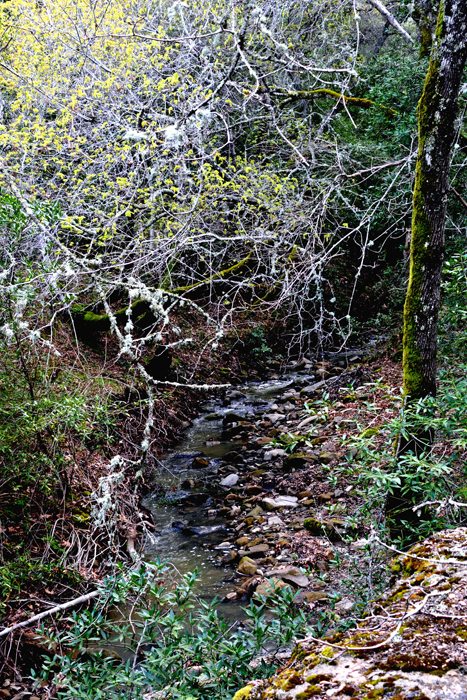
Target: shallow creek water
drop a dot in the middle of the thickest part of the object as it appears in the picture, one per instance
(189, 551)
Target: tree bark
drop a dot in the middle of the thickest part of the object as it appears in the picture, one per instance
(437, 112)
(425, 17)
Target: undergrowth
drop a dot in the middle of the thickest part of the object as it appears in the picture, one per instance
(176, 644)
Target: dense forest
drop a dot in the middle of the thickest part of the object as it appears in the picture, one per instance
(232, 328)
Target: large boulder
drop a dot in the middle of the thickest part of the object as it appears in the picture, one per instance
(411, 645)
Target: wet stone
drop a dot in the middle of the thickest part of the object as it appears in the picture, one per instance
(200, 463)
(232, 417)
(187, 484)
(230, 480)
(247, 566)
(280, 502)
(229, 557)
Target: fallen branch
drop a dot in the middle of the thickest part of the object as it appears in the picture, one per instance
(391, 19)
(456, 562)
(218, 275)
(52, 611)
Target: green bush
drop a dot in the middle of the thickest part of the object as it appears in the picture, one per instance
(177, 645)
(256, 345)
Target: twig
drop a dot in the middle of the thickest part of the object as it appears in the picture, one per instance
(380, 644)
(52, 611)
(446, 502)
(459, 197)
(383, 166)
(414, 556)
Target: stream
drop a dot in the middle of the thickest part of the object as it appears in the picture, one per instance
(194, 546)
(189, 532)
(228, 492)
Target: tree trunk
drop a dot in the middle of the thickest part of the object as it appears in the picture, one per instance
(437, 111)
(425, 16)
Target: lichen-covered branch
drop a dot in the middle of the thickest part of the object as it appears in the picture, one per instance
(326, 93)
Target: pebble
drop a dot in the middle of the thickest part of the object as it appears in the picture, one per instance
(231, 480)
(274, 417)
(273, 454)
(280, 502)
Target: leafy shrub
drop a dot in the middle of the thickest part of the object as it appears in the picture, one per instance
(178, 645)
(425, 476)
(256, 345)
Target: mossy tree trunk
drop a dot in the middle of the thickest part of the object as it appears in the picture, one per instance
(437, 112)
(425, 16)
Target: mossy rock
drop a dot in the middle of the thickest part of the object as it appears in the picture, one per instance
(243, 693)
(334, 528)
(296, 461)
(411, 644)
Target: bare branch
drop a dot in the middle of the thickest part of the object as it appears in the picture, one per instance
(383, 10)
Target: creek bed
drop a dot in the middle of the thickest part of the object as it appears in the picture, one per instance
(183, 547)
